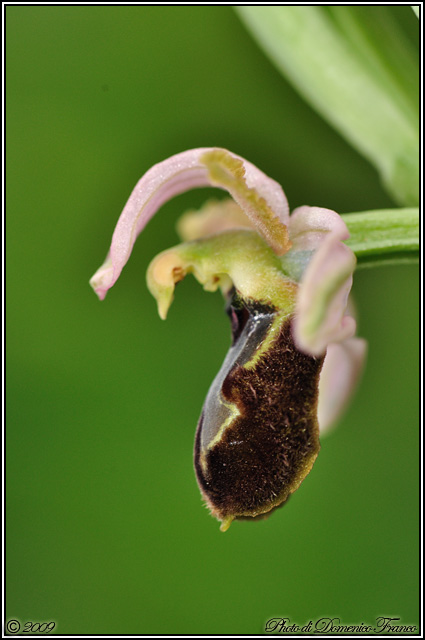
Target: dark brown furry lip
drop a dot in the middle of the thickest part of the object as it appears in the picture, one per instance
(270, 446)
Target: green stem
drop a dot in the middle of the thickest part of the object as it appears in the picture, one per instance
(386, 236)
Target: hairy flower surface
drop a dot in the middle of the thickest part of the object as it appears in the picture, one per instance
(286, 280)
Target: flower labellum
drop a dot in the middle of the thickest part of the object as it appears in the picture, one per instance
(286, 281)
(258, 435)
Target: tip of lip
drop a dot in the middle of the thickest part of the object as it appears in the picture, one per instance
(226, 523)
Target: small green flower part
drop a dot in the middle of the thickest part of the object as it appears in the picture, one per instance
(239, 259)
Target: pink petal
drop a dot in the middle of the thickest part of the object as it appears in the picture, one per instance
(167, 179)
(344, 363)
(215, 216)
(322, 299)
(308, 224)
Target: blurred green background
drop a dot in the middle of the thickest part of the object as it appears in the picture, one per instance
(106, 532)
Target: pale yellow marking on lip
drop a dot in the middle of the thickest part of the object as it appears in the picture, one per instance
(227, 423)
(271, 335)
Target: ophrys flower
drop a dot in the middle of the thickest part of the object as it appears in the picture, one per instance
(286, 280)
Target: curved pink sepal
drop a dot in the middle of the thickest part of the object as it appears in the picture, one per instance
(162, 182)
(342, 368)
(320, 316)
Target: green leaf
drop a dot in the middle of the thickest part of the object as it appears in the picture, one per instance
(355, 66)
(382, 237)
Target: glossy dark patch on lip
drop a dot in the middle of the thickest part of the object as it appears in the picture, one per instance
(240, 311)
(270, 447)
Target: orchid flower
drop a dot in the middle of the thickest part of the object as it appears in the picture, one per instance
(294, 358)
